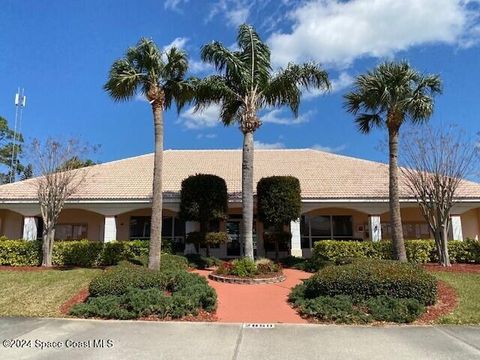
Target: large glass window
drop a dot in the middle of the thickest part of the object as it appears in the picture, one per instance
(319, 227)
(71, 231)
(140, 227)
(342, 226)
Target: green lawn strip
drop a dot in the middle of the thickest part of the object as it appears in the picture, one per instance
(468, 289)
(40, 293)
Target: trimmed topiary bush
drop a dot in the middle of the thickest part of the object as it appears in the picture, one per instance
(20, 253)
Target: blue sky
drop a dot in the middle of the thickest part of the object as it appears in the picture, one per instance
(60, 52)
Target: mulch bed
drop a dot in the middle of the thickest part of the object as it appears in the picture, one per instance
(75, 299)
(459, 268)
(447, 301)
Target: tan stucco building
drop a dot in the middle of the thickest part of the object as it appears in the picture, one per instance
(342, 197)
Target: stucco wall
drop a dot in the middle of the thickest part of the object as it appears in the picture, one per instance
(470, 224)
(95, 222)
(11, 224)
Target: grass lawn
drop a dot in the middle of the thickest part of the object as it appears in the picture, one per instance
(40, 293)
(468, 289)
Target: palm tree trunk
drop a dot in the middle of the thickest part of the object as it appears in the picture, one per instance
(156, 222)
(395, 215)
(247, 194)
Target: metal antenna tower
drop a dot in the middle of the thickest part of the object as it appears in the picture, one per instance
(20, 101)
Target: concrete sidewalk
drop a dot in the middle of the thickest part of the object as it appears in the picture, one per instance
(96, 339)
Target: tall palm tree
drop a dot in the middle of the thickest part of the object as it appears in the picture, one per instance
(246, 84)
(388, 96)
(159, 76)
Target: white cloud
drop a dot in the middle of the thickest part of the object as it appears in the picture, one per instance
(178, 42)
(330, 149)
(174, 4)
(198, 66)
(206, 136)
(236, 12)
(337, 32)
(343, 81)
(278, 116)
(262, 145)
(208, 118)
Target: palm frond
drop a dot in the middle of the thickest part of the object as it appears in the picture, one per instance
(176, 65)
(123, 80)
(366, 122)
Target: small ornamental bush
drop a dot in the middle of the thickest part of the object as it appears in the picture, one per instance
(129, 291)
(385, 308)
(369, 278)
(246, 267)
(310, 265)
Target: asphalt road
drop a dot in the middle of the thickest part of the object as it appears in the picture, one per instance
(96, 339)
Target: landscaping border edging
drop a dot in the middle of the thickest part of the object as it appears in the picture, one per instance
(247, 281)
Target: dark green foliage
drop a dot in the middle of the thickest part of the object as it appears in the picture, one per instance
(363, 279)
(384, 308)
(310, 265)
(278, 238)
(84, 253)
(209, 238)
(346, 310)
(198, 261)
(418, 251)
(128, 291)
(279, 199)
(203, 197)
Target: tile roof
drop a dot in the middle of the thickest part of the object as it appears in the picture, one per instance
(322, 175)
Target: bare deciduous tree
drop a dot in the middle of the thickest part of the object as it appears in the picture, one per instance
(436, 162)
(58, 180)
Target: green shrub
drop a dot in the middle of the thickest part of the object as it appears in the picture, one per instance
(173, 262)
(243, 267)
(82, 253)
(198, 261)
(339, 308)
(129, 291)
(310, 265)
(418, 251)
(384, 308)
(363, 279)
(20, 253)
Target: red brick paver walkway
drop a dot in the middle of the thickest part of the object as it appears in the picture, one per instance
(257, 303)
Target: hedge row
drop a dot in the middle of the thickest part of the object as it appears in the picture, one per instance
(82, 253)
(418, 251)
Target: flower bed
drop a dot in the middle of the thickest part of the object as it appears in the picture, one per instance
(246, 271)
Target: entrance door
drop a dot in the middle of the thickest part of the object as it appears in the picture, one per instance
(233, 243)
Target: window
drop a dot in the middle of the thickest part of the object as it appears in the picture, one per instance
(140, 227)
(411, 230)
(313, 228)
(71, 231)
(172, 227)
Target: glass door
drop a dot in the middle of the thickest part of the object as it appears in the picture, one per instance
(233, 243)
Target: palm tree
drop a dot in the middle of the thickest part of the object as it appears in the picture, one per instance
(388, 96)
(246, 84)
(159, 76)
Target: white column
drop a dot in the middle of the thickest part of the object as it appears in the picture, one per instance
(375, 228)
(29, 228)
(296, 248)
(456, 227)
(190, 226)
(110, 229)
